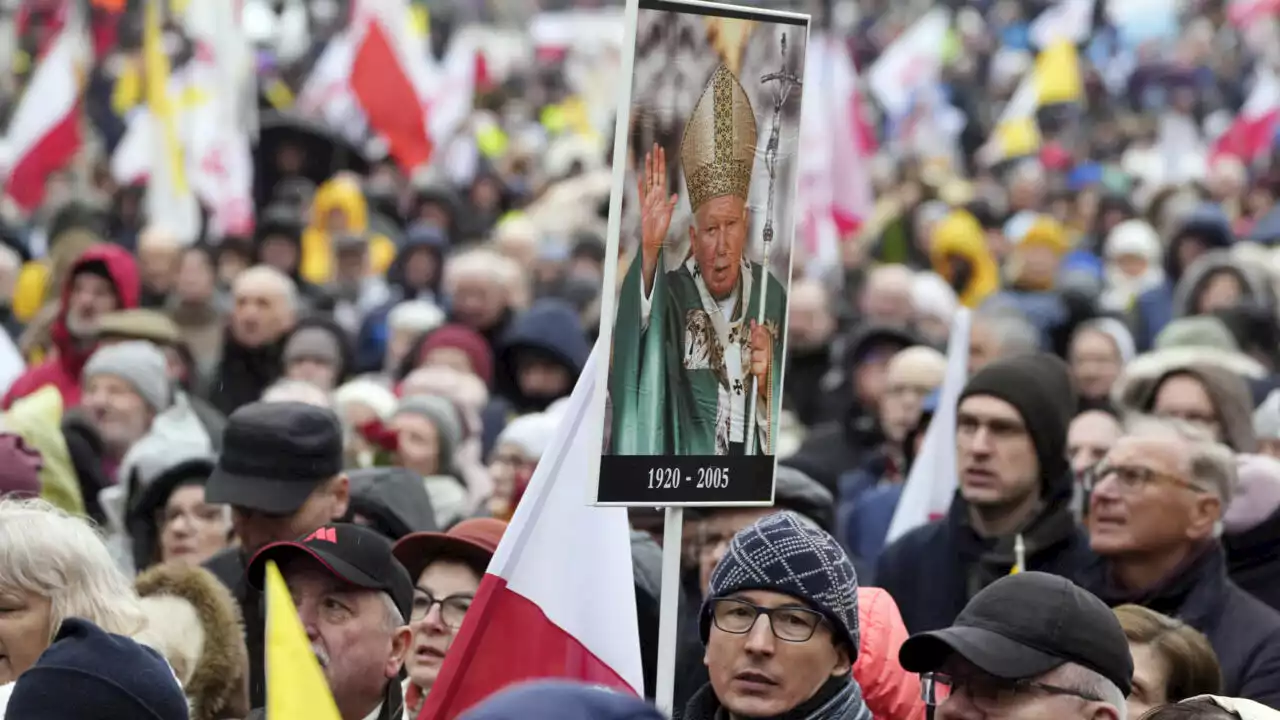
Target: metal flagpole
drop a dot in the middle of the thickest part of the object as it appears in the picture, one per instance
(668, 609)
(786, 82)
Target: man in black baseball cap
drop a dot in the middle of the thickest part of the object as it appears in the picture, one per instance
(354, 599)
(280, 470)
(1030, 645)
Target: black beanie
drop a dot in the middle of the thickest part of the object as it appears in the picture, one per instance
(1040, 387)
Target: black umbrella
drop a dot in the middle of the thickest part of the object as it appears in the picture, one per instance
(323, 152)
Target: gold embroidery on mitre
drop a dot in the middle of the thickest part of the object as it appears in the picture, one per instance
(718, 150)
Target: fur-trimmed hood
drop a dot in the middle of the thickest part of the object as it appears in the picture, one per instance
(195, 622)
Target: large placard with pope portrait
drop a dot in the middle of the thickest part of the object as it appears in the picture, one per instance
(700, 265)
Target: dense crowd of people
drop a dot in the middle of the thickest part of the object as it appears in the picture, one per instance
(361, 391)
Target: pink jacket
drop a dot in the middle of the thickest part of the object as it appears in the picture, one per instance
(891, 693)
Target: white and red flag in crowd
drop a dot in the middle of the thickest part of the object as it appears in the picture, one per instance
(558, 600)
(836, 146)
(44, 132)
(932, 483)
(1253, 131)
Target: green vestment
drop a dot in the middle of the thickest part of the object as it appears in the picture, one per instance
(669, 383)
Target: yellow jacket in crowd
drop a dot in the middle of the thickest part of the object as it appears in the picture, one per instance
(959, 254)
(339, 206)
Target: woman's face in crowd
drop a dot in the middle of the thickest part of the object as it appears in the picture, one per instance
(453, 585)
(449, 357)
(506, 463)
(1133, 266)
(191, 530)
(1150, 680)
(418, 442)
(1186, 398)
(320, 373)
(1095, 363)
(1220, 291)
(1089, 438)
(26, 628)
(196, 281)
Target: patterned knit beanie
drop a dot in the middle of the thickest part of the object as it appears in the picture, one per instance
(782, 553)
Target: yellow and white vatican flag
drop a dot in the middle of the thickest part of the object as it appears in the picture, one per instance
(171, 202)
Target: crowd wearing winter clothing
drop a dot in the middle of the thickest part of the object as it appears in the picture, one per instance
(360, 390)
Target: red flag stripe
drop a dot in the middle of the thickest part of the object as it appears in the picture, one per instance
(389, 98)
(518, 643)
(53, 152)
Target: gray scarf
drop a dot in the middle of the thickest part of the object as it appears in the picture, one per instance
(838, 699)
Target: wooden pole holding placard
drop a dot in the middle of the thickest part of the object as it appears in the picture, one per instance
(669, 607)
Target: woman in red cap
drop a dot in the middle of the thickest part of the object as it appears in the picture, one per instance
(446, 568)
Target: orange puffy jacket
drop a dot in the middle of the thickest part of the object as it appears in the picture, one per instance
(890, 692)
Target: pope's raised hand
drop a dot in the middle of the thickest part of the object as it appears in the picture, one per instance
(656, 208)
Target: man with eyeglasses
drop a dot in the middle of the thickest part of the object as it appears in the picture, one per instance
(1013, 504)
(780, 625)
(353, 598)
(1031, 646)
(1155, 515)
(446, 569)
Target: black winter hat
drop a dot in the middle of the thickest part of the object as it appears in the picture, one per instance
(110, 677)
(1039, 386)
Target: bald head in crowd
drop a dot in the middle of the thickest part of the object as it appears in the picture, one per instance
(482, 285)
(910, 377)
(886, 298)
(265, 306)
(810, 323)
(159, 252)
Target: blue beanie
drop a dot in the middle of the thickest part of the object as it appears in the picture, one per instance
(89, 674)
(784, 554)
(560, 700)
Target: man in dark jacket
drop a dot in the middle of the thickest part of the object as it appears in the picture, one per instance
(281, 472)
(266, 309)
(1155, 504)
(1205, 228)
(1012, 506)
(362, 648)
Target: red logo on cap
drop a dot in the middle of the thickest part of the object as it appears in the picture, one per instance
(326, 534)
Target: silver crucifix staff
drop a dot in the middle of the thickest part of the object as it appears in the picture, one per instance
(785, 81)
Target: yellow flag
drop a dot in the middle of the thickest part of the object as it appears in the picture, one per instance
(296, 687)
(156, 67)
(1018, 137)
(1058, 74)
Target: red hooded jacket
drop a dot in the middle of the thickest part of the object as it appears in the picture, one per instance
(62, 369)
(890, 692)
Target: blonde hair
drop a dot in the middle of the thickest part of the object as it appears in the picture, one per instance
(47, 552)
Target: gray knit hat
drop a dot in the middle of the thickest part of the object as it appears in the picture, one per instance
(783, 553)
(138, 363)
(443, 415)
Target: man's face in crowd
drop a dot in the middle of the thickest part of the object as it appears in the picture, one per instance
(1186, 398)
(978, 695)
(317, 371)
(1095, 363)
(541, 377)
(1039, 265)
(351, 266)
(809, 320)
(196, 282)
(1189, 249)
(260, 315)
(158, 264)
(998, 465)
(420, 269)
(280, 252)
(257, 529)
(360, 644)
(91, 296)
(117, 411)
(418, 443)
(984, 346)
(718, 236)
(479, 302)
(1089, 438)
(907, 383)
(1157, 508)
(870, 376)
(756, 674)
(714, 533)
(887, 298)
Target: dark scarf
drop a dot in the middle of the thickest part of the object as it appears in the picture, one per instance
(987, 559)
(840, 698)
(244, 373)
(1192, 592)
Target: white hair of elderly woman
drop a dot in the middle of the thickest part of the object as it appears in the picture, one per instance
(49, 553)
(289, 390)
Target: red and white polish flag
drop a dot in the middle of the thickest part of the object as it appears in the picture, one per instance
(1253, 131)
(44, 133)
(558, 600)
(389, 73)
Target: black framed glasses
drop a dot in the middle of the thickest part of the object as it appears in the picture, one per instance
(792, 624)
(987, 691)
(453, 609)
